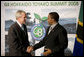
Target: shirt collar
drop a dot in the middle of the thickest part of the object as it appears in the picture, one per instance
(19, 23)
(53, 25)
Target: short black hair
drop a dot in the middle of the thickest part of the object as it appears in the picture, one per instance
(54, 15)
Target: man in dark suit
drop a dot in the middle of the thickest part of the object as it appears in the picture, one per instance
(55, 40)
(18, 37)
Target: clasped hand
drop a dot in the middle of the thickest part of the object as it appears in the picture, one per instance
(29, 49)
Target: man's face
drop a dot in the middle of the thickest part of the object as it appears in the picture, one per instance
(50, 21)
(23, 18)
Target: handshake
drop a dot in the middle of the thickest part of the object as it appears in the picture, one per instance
(29, 49)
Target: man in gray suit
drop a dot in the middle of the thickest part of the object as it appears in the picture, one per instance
(18, 37)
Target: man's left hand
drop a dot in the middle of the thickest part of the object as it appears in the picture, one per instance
(48, 51)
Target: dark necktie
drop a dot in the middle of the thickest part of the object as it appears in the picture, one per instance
(22, 27)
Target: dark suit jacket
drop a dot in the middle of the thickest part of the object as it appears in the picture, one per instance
(57, 41)
(18, 40)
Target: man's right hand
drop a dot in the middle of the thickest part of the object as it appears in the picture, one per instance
(29, 49)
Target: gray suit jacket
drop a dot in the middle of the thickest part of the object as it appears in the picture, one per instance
(18, 40)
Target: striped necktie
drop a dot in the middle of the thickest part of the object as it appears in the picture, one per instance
(50, 30)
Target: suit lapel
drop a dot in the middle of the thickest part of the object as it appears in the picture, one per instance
(19, 28)
(47, 30)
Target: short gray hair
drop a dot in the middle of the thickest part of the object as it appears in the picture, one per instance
(19, 12)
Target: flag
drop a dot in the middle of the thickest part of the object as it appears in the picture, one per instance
(78, 47)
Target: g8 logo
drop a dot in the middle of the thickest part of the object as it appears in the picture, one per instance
(38, 32)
